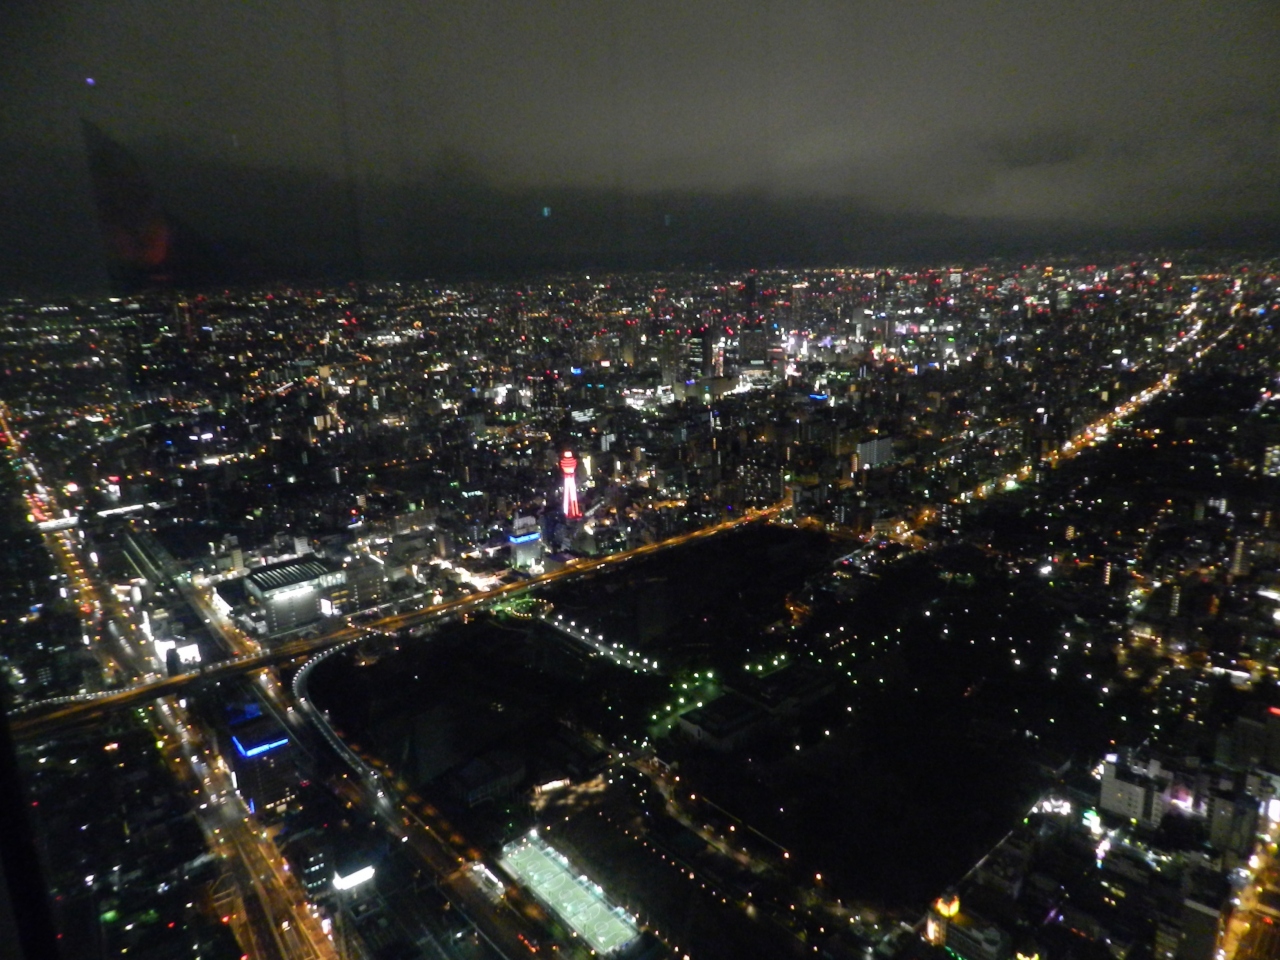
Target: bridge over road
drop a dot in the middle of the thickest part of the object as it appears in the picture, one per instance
(46, 716)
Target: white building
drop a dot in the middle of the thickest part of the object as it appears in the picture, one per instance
(1134, 791)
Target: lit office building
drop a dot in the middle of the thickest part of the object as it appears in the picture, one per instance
(262, 769)
(525, 540)
(290, 592)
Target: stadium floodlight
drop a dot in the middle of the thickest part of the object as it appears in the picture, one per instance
(581, 904)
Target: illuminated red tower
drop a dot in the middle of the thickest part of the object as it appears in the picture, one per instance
(569, 467)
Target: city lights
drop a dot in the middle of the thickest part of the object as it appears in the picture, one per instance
(314, 567)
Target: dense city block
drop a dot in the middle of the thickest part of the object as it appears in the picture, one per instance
(855, 613)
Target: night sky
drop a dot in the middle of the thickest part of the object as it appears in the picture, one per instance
(395, 137)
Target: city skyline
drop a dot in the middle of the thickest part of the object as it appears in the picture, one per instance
(924, 613)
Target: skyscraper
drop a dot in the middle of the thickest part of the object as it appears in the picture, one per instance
(526, 542)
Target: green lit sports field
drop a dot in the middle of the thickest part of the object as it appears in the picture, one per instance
(577, 901)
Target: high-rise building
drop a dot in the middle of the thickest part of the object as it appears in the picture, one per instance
(309, 856)
(1239, 560)
(874, 453)
(1136, 790)
(1271, 461)
(525, 540)
(261, 763)
(1233, 819)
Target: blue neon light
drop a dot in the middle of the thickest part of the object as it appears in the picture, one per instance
(260, 748)
(817, 396)
(524, 537)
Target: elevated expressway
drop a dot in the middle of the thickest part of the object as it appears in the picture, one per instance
(46, 716)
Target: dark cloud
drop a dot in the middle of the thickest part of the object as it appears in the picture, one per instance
(1103, 115)
(1038, 148)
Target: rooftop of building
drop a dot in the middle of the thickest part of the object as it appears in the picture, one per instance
(1136, 776)
(258, 735)
(287, 573)
(794, 682)
(726, 715)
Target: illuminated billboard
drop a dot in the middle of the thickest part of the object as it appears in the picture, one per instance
(353, 879)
